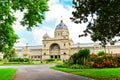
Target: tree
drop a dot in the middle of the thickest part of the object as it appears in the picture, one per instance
(33, 14)
(104, 24)
(9, 53)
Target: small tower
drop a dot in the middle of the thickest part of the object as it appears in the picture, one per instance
(46, 36)
(26, 53)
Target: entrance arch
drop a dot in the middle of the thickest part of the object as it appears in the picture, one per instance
(55, 51)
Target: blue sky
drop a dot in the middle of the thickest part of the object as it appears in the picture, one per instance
(57, 8)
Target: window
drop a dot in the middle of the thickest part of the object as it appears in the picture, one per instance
(55, 56)
(51, 56)
(45, 45)
(31, 56)
(69, 44)
(59, 56)
(35, 56)
(38, 56)
(44, 54)
(64, 44)
(64, 53)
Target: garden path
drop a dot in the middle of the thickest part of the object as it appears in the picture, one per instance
(42, 72)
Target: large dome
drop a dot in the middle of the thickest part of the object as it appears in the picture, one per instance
(61, 26)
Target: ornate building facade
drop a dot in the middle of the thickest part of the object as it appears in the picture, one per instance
(61, 46)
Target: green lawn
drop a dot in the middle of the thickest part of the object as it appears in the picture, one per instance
(7, 73)
(97, 74)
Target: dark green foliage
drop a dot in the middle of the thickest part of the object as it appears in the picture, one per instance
(51, 59)
(104, 24)
(64, 65)
(34, 11)
(117, 58)
(101, 53)
(19, 60)
(73, 58)
(77, 66)
(84, 53)
(1, 59)
(73, 66)
(9, 53)
(82, 57)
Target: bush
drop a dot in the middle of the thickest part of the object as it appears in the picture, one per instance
(73, 59)
(51, 59)
(1, 59)
(105, 62)
(19, 60)
(77, 66)
(63, 65)
(82, 57)
(101, 53)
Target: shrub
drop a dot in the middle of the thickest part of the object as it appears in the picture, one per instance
(73, 58)
(117, 58)
(1, 59)
(105, 62)
(64, 65)
(93, 56)
(77, 66)
(101, 53)
(82, 57)
(51, 59)
(19, 60)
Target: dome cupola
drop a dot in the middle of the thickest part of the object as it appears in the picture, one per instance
(46, 36)
(61, 31)
(61, 26)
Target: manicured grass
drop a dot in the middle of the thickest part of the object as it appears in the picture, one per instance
(7, 73)
(97, 74)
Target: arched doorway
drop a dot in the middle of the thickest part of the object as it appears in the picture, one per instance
(55, 51)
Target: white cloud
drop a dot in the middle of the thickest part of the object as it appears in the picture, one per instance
(54, 15)
(17, 26)
(56, 11)
(21, 42)
(38, 34)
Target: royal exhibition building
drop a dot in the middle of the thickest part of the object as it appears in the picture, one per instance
(61, 46)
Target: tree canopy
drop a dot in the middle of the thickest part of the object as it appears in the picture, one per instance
(33, 14)
(102, 16)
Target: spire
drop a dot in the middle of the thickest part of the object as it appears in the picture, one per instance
(61, 26)
(61, 19)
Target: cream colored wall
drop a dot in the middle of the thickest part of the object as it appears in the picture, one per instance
(59, 34)
(109, 49)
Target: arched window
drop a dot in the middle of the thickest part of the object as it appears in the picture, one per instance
(64, 53)
(45, 45)
(44, 54)
(64, 44)
(55, 47)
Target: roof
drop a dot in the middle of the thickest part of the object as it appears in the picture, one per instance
(45, 35)
(61, 26)
(30, 47)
